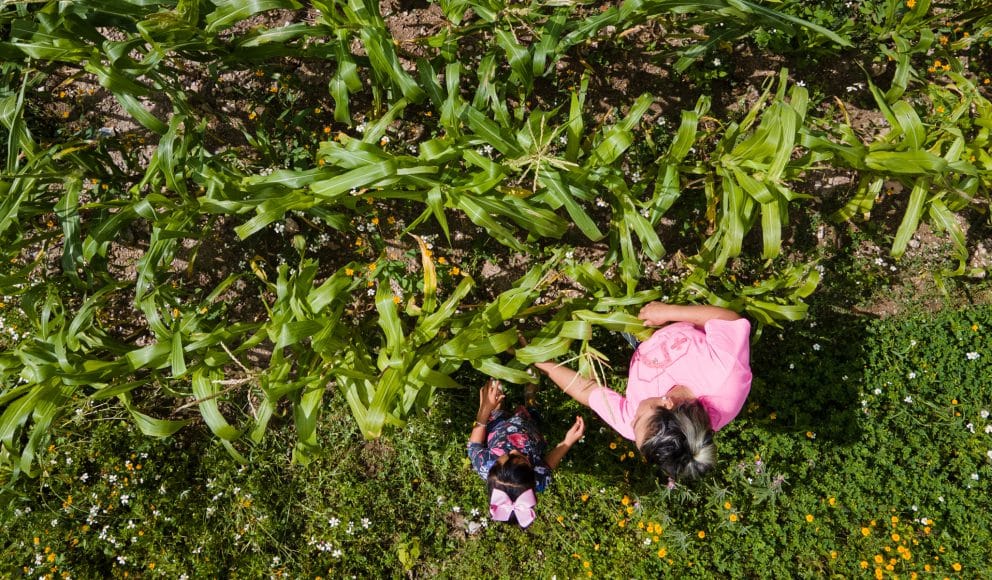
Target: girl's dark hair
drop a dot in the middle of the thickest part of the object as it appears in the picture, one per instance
(680, 441)
(513, 476)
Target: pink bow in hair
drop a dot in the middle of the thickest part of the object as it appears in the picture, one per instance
(501, 506)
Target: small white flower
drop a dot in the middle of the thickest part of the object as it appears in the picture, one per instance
(800, 83)
(984, 414)
(974, 476)
(366, 523)
(989, 452)
(970, 427)
(456, 509)
(877, 391)
(474, 513)
(336, 553)
(972, 355)
(792, 366)
(334, 522)
(816, 346)
(988, 428)
(912, 375)
(716, 62)
(84, 477)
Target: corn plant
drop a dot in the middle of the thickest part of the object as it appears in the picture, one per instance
(939, 166)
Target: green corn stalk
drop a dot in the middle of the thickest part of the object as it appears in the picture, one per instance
(750, 173)
(936, 165)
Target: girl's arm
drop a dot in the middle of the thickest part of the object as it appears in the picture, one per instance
(659, 313)
(569, 381)
(490, 398)
(554, 457)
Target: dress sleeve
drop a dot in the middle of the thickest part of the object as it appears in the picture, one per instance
(613, 408)
(542, 476)
(482, 459)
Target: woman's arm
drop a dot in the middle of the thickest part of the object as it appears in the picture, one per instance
(554, 457)
(659, 313)
(569, 381)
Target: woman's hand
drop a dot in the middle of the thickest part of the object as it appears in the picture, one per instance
(654, 313)
(490, 398)
(576, 432)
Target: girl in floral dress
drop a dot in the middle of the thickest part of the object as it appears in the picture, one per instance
(508, 452)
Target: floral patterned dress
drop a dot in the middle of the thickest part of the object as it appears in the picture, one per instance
(505, 433)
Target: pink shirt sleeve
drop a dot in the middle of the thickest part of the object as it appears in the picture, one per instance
(725, 392)
(614, 409)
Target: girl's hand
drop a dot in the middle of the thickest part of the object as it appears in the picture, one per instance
(576, 432)
(490, 398)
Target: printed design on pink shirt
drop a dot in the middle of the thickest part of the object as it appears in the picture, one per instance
(654, 357)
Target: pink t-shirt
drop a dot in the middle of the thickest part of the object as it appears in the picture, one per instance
(713, 362)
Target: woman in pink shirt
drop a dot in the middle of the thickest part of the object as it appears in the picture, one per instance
(689, 379)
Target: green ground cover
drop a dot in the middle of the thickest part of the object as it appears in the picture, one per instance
(864, 447)
(258, 257)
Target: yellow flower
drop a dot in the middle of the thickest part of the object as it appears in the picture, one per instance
(630, 454)
(956, 566)
(586, 564)
(151, 565)
(585, 497)
(940, 109)
(895, 520)
(701, 534)
(51, 557)
(625, 500)
(455, 271)
(252, 115)
(396, 299)
(974, 328)
(375, 221)
(630, 510)
(895, 537)
(442, 260)
(726, 505)
(879, 559)
(832, 501)
(662, 552)
(349, 272)
(878, 574)
(954, 401)
(372, 267)
(613, 445)
(833, 554)
(327, 130)
(910, 4)
(733, 517)
(864, 564)
(809, 517)
(622, 523)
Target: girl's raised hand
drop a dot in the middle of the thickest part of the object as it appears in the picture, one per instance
(576, 432)
(490, 396)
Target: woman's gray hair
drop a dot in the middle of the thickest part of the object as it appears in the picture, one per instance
(680, 441)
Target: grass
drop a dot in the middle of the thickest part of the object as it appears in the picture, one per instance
(864, 446)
